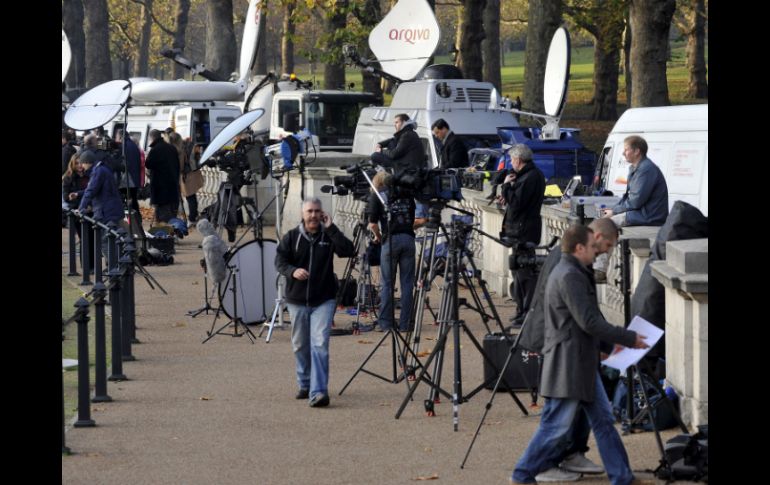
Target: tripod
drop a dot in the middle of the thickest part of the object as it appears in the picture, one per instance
(448, 318)
(235, 320)
(206, 296)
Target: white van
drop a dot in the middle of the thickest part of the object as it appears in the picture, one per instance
(677, 139)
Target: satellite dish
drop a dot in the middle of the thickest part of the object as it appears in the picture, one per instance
(98, 106)
(250, 41)
(66, 55)
(406, 38)
(228, 132)
(557, 73)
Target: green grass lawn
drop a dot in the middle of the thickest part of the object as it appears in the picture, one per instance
(69, 348)
(577, 112)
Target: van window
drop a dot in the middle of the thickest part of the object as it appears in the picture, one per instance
(286, 106)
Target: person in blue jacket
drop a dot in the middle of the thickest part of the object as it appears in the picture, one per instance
(101, 195)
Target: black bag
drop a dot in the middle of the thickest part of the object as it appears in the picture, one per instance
(664, 418)
(687, 456)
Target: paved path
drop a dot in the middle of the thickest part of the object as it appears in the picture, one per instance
(225, 413)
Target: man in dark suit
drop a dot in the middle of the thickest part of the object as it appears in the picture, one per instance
(574, 326)
(163, 160)
(453, 152)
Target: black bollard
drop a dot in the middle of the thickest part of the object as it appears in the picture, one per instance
(125, 325)
(85, 252)
(84, 406)
(130, 253)
(100, 339)
(117, 345)
(97, 259)
(64, 449)
(73, 244)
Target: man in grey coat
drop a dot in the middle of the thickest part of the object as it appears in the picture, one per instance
(574, 326)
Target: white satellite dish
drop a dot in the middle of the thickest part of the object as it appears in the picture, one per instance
(405, 39)
(66, 55)
(98, 106)
(557, 73)
(250, 41)
(228, 133)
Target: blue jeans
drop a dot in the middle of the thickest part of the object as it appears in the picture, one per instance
(310, 327)
(546, 446)
(403, 250)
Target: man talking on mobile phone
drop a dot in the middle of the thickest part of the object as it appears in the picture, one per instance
(305, 257)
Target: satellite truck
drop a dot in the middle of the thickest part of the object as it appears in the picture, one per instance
(200, 109)
(482, 118)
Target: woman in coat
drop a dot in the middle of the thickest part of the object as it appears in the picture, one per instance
(190, 180)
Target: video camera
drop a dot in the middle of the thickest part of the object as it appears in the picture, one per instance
(355, 183)
(426, 185)
(526, 255)
(247, 155)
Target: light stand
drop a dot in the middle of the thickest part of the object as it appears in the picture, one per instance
(235, 320)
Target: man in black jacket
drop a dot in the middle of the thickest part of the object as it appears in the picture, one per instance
(404, 150)
(453, 152)
(305, 258)
(523, 192)
(163, 160)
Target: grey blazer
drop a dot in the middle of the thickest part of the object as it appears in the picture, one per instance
(573, 328)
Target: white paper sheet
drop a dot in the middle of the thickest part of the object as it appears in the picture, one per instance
(628, 357)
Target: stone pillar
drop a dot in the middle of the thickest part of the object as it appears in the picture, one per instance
(684, 274)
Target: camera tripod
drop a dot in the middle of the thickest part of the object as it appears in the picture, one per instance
(206, 296)
(448, 318)
(235, 320)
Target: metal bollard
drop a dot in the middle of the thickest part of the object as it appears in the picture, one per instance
(84, 406)
(131, 312)
(64, 449)
(117, 345)
(123, 297)
(73, 245)
(100, 340)
(85, 252)
(97, 259)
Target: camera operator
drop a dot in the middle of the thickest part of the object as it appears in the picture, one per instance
(572, 458)
(398, 245)
(523, 192)
(404, 150)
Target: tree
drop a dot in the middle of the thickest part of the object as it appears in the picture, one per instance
(690, 18)
(142, 58)
(368, 15)
(181, 16)
(627, 36)
(650, 24)
(471, 34)
(604, 19)
(544, 19)
(287, 38)
(491, 44)
(72, 23)
(336, 20)
(97, 52)
(220, 38)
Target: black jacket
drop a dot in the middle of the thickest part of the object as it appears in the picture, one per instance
(403, 151)
(163, 160)
(401, 214)
(524, 198)
(453, 153)
(315, 253)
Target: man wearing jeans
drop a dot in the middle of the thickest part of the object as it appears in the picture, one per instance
(305, 258)
(397, 250)
(570, 378)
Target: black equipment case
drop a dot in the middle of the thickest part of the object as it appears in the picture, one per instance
(523, 371)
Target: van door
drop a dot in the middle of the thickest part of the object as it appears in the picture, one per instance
(684, 173)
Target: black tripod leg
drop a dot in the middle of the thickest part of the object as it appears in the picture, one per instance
(361, 367)
(439, 346)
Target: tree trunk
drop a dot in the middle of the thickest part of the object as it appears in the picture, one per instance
(287, 39)
(469, 58)
(627, 36)
(181, 16)
(650, 24)
(220, 37)
(544, 19)
(491, 44)
(606, 66)
(334, 68)
(142, 58)
(98, 67)
(696, 53)
(369, 17)
(73, 21)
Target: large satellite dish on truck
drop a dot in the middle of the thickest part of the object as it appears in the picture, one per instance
(66, 55)
(405, 39)
(98, 106)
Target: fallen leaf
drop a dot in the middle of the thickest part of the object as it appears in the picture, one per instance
(195, 283)
(429, 338)
(365, 342)
(205, 398)
(428, 450)
(431, 477)
(95, 408)
(423, 353)
(492, 423)
(383, 404)
(179, 324)
(93, 455)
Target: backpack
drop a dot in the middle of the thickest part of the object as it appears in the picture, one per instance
(664, 418)
(687, 457)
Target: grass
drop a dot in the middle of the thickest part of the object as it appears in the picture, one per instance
(69, 348)
(577, 112)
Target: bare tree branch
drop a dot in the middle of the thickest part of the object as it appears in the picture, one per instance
(154, 19)
(122, 28)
